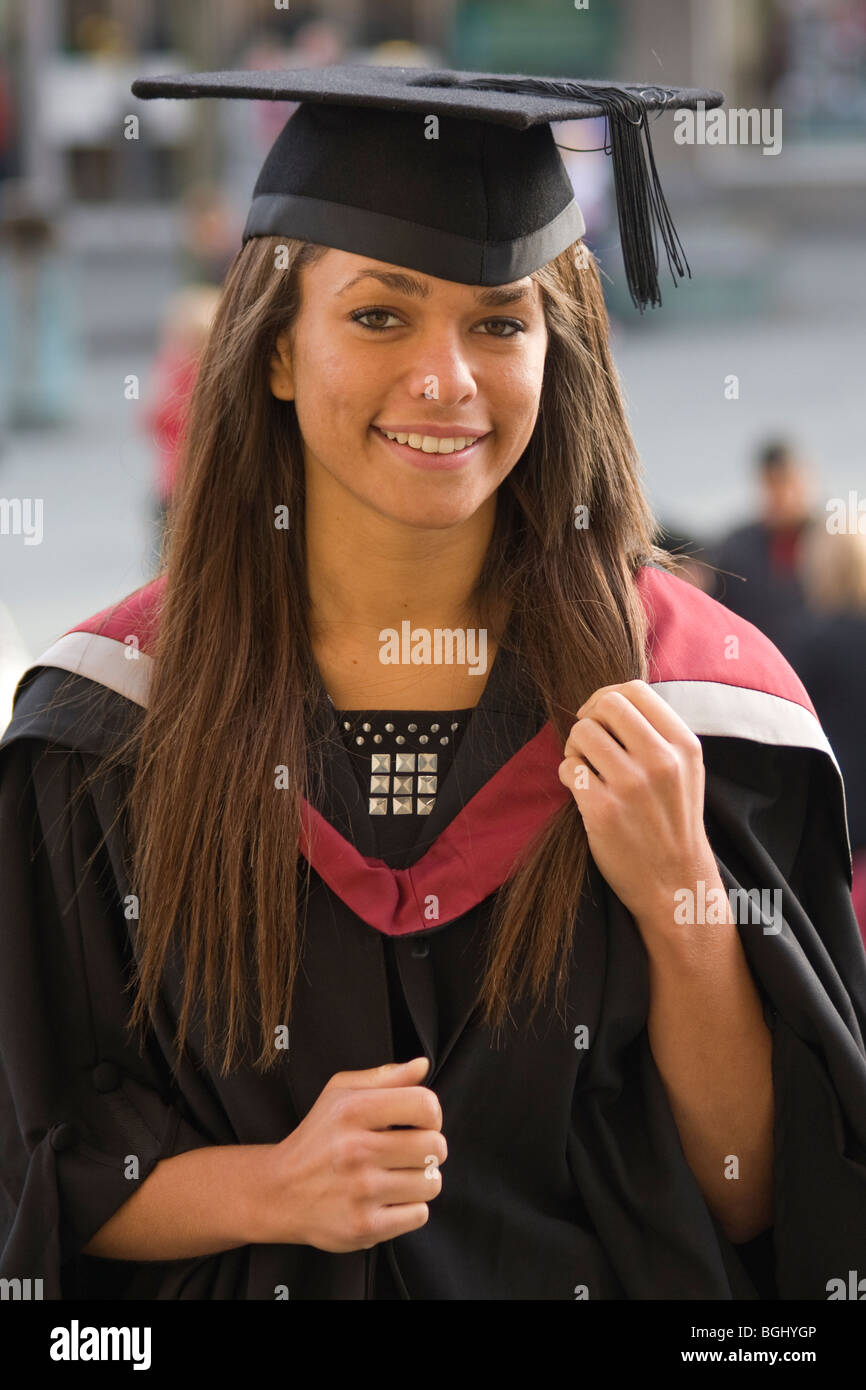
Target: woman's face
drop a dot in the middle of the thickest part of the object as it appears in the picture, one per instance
(458, 369)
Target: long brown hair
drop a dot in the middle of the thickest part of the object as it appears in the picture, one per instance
(215, 860)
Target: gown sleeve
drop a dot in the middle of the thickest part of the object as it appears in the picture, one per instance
(772, 827)
(84, 1116)
(773, 821)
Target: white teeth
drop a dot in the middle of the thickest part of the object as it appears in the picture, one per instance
(430, 444)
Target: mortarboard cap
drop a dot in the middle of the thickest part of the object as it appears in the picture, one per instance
(479, 196)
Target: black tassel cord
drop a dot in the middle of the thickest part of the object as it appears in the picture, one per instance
(640, 203)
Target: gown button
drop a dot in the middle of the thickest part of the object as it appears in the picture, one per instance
(62, 1137)
(420, 949)
(105, 1077)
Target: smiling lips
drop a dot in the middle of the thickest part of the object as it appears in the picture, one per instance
(431, 443)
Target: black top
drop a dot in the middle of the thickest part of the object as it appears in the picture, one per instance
(398, 801)
(401, 759)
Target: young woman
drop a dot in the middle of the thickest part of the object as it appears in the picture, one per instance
(329, 975)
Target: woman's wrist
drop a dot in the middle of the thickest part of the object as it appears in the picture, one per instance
(694, 909)
(198, 1202)
(266, 1209)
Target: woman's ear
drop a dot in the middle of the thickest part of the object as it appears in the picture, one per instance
(282, 377)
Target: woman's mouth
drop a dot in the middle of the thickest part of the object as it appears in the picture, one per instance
(429, 451)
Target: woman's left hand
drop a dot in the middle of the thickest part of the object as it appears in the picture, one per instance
(641, 798)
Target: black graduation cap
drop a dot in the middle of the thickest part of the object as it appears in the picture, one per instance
(481, 195)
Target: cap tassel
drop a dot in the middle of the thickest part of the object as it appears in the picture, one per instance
(641, 207)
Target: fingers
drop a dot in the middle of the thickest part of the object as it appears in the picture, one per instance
(405, 1186)
(388, 1222)
(401, 1200)
(368, 1153)
(389, 1074)
(643, 700)
(591, 744)
(410, 1148)
(406, 1105)
(399, 1179)
(623, 734)
(392, 1094)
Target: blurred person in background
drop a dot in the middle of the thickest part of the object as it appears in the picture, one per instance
(7, 124)
(37, 314)
(210, 235)
(759, 561)
(248, 129)
(832, 665)
(175, 368)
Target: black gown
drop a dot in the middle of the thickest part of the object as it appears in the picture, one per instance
(411, 733)
(565, 1175)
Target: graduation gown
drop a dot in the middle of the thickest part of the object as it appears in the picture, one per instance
(565, 1175)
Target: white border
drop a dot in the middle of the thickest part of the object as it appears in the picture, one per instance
(102, 659)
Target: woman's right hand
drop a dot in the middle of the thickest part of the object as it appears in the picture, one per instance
(345, 1179)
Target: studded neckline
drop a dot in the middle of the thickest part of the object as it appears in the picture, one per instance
(427, 725)
(401, 756)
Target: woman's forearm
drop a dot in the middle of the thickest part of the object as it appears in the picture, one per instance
(714, 1052)
(195, 1203)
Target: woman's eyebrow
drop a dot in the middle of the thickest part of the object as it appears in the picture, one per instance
(402, 283)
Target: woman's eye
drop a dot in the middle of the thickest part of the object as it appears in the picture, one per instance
(361, 314)
(508, 323)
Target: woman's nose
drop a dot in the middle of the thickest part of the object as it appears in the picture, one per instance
(442, 370)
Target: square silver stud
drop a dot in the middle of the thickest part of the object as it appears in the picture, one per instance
(427, 762)
(381, 762)
(378, 805)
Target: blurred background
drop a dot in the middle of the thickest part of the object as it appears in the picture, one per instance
(119, 218)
